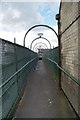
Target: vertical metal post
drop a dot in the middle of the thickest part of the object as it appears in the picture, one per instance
(16, 69)
(1, 77)
(24, 43)
(59, 44)
(59, 54)
(15, 40)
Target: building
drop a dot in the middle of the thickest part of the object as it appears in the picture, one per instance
(41, 52)
(69, 30)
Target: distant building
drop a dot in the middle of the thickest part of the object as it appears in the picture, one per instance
(41, 52)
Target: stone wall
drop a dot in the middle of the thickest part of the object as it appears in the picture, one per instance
(70, 43)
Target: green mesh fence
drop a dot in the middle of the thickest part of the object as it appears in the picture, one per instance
(53, 54)
(13, 57)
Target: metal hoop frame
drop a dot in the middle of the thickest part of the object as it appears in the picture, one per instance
(39, 38)
(39, 26)
(37, 47)
(40, 43)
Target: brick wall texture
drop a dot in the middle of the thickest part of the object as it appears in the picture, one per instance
(70, 51)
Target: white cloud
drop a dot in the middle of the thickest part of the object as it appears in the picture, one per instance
(34, 0)
(17, 18)
(1, 16)
(16, 14)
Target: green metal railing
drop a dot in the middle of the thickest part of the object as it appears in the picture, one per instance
(74, 79)
(17, 62)
(15, 75)
(52, 59)
(53, 55)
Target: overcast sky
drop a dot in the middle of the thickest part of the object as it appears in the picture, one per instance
(17, 17)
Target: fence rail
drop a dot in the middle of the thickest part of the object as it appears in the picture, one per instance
(16, 73)
(14, 76)
(74, 79)
(53, 55)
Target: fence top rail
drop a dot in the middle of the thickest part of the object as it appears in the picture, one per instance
(74, 79)
(16, 44)
(16, 73)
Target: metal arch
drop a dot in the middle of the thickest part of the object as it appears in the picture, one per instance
(40, 43)
(37, 47)
(39, 38)
(39, 26)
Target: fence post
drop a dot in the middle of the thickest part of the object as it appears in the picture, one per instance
(14, 40)
(59, 44)
(1, 79)
(16, 68)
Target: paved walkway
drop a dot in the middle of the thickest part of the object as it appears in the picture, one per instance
(42, 97)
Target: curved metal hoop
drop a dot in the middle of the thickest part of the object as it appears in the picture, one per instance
(39, 26)
(39, 38)
(40, 43)
(37, 47)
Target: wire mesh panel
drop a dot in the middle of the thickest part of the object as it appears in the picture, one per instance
(14, 57)
(53, 55)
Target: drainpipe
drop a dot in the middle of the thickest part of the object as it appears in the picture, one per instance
(59, 44)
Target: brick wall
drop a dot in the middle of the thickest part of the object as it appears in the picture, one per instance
(70, 41)
(79, 60)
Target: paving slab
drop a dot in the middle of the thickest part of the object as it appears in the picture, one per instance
(42, 97)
